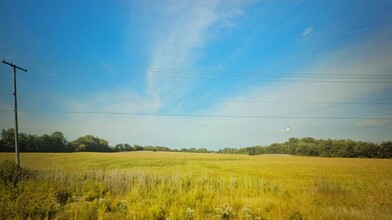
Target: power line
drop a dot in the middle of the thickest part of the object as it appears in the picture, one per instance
(280, 75)
(189, 74)
(195, 71)
(280, 79)
(271, 78)
(239, 101)
(207, 100)
(260, 102)
(208, 115)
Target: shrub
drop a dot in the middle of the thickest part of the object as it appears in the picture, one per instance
(93, 190)
(297, 215)
(63, 196)
(36, 200)
(189, 214)
(225, 211)
(247, 213)
(11, 173)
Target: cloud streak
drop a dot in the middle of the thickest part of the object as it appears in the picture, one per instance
(307, 31)
(183, 33)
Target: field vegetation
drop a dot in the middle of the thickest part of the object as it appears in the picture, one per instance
(173, 185)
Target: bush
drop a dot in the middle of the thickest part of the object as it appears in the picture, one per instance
(296, 215)
(35, 200)
(11, 173)
(225, 212)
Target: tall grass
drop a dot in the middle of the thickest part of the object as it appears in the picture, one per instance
(147, 185)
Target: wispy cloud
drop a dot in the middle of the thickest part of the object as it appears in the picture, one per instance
(307, 31)
(358, 31)
(183, 32)
(305, 99)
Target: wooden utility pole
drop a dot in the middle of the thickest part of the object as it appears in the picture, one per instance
(15, 67)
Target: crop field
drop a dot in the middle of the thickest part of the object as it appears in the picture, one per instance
(169, 185)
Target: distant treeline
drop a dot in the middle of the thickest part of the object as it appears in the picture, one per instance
(318, 147)
(56, 142)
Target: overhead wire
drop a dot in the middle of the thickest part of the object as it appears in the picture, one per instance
(204, 115)
(179, 73)
(214, 72)
(280, 79)
(204, 100)
(232, 75)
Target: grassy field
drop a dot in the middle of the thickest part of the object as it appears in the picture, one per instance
(162, 185)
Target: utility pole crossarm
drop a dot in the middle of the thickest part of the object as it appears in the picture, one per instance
(14, 66)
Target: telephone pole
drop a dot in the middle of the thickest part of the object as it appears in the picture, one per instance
(15, 67)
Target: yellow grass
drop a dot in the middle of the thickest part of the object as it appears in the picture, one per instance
(163, 185)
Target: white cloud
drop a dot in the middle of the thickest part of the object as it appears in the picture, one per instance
(307, 31)
(181, 34)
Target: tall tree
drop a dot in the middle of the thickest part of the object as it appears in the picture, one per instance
(91, 143)
(8, 139)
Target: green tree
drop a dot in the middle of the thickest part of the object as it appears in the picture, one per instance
(8, 139)
(137, 147)
(251, 151)
(58, 143)
(385, 150)
(202, 150)
(118, 147)
(91, 143)
(128, 147)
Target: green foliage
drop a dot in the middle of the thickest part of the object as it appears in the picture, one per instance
(297, 215)
(385, 150)
(55, 142)
(7, 141)
(155, 148)
(308, 146)
(137, 147)
(93, 190)
(36, 200)
(24, 196)
(63, 196)
(91, 143)
(325, 148)
(122, 147)
(11, 173)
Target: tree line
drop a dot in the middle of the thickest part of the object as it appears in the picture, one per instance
(318, 147)
(56, 142)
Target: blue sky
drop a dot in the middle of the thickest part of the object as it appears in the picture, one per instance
(208, 74)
